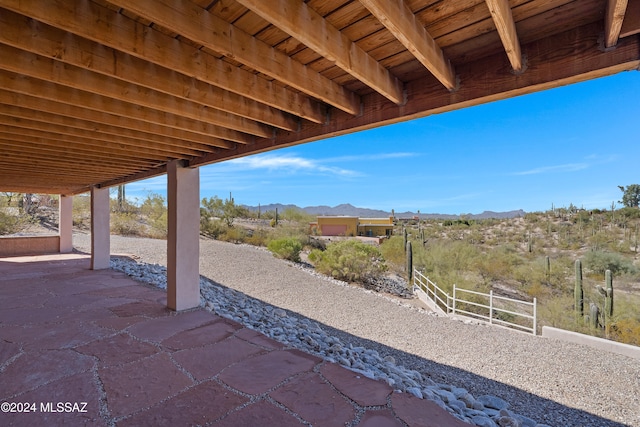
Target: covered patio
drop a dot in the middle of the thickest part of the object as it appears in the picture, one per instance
(98, 93)
(82, 347)
(95, 94)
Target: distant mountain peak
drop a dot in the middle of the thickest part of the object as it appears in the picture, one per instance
(348, 209)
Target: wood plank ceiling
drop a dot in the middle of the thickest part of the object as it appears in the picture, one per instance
(98, 93)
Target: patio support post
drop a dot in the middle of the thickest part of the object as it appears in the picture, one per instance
(100, 236)
(183, 237)
(65, 223)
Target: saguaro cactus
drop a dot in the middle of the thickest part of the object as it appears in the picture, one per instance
(409, 262)
(547, 268)
(578, 292)
(608, 302)
(404, 236)
(593, 316)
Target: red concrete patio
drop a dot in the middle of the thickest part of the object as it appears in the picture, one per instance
(85, 347)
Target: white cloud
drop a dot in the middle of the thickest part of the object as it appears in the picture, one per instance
(370, 157)
(288, 163)
(569, 167)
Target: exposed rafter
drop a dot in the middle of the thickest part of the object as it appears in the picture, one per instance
(97, 23)
(403, 24)
(220, 36)
(95, 93)
(47, 90)
(506, 26)
(306, 25)
(97, 121)
(50, 70)
(631, 23)
(614, 17)
(18, 31)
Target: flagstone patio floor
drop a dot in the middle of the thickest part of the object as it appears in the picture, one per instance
(84, 347)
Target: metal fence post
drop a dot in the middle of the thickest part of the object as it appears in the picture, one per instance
(491, 307)
(535, 316)
(454, 299)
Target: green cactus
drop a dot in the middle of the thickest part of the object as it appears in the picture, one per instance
(404, 234)
(608, 304)
(593, 316)
(409, 262)
(578, 292)
(547, 268)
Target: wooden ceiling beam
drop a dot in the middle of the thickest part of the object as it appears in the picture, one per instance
(163, 137)
(614, 17)
(19, 187)
(160, 170)
(77, 177)
(17, 156)
(50, 91)
(58, 138)
(26, 119)
(110, 28)
(506, 26)
(42, 122)
(39, 67)
(631, 23)
(26, 34)
(306, 25)
(220, 36)
(565, 58)
(403, 24)
(50, 146)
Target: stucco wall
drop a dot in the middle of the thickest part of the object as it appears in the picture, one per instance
(34, 245)
(350, 222)
(595, 342)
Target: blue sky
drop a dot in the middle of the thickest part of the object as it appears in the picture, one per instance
(573, 144)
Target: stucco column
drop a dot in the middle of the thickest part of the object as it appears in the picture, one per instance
(183, 237)
(100, 236)
(65, 223)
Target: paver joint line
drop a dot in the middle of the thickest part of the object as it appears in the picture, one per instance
(133, 353)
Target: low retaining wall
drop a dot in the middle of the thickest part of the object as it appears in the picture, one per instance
(33, 245)
(422, 296)
(599, 343)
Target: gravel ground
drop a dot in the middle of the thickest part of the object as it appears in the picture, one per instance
(552, 382)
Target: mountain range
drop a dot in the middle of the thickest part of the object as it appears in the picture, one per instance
(350, 210)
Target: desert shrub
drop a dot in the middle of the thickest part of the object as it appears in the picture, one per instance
(10, 224)
(629, 213)
(349, 260)
(286, 248)
(212, 228)
(225, 210)
(258, 237)
(600, 261)
(447, 256)
(233, 234)
(154, 212)
(296, 215)
(497, 264)
(393, 250)
(126, 224)
(627, 331)
(81, 211)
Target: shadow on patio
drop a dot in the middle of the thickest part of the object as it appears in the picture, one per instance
(95, 347)
(70, 334)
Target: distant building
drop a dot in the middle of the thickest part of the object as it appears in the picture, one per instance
(352, 226)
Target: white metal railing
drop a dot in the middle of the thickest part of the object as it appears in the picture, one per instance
(491, 308)
(439, 297)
